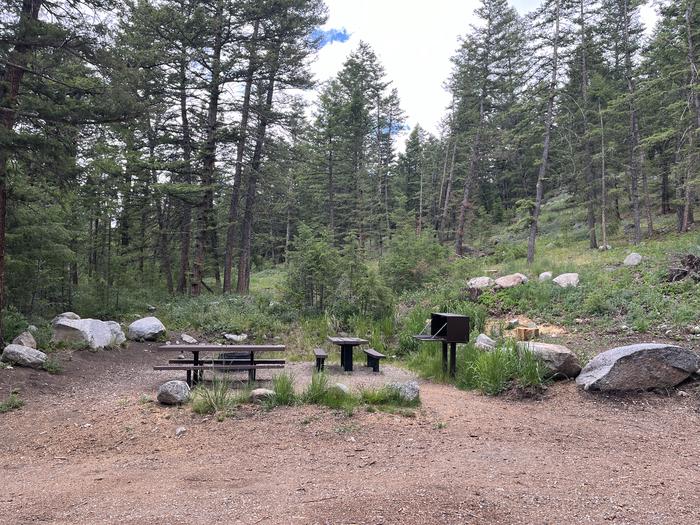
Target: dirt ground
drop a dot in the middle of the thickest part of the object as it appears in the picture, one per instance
(88, 447)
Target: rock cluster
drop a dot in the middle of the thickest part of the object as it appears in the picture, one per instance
(70, 328)
(23, 356)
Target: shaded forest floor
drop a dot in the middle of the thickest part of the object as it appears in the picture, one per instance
(90, 447)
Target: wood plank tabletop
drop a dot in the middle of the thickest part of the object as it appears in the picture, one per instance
(349, 341)
(222, 348)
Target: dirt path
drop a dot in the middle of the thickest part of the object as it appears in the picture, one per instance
(86, 448)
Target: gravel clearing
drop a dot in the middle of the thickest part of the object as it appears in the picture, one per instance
(88, 447)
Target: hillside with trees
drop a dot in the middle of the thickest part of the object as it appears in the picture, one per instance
(162, 148)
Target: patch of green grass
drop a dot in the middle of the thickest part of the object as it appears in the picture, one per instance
(283, 388)
(387, 396)
(52, 366)
(13, 402)
(215, 398)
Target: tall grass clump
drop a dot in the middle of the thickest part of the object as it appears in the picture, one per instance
(321, 392)
(13, 402)
(387, 396)
(215, 398)
(283, 388)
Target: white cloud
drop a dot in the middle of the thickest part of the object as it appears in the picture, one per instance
(414, 40)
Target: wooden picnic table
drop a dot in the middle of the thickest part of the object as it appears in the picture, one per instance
(196, 366)
(346, 345)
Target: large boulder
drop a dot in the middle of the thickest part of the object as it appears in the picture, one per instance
(259, 395)
(25, 339)
(479, 283)
(23, 356)
(639, 367)
(91, 332)
(566, 279)
(408, 391)
(559, 360)
(146, 329)
(484, 342)
(173, 393)
(509, 281)
(633, 259)
(65, 315)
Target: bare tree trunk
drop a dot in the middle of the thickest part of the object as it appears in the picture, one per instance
(634, 154)
(185, 207)
(694, 95)
(244, 262)
(448, 192)
(539, 189)
(587, 158)
(238, 170)
(603, 186)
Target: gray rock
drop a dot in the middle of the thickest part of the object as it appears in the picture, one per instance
(479, 283)
(604, 247)
(173, 393)
(66, 315)
(151, 308)
(639, 367)
(260, 394)
(180, 431)
(559, 360)
(484, 342)
(25, 339)
(32, 328)
(236, 338)
(118, 336)
(188, 339)
(342, 387)
(92, 332)
(23, 356)
(509, 281)
(633, 259)
(410, 390)
(146, 329)
(545, 276)
(512, 323)
(566, 279)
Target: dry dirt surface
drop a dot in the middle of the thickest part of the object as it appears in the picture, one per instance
(89, 448)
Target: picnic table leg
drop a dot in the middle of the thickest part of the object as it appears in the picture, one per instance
(444, 357)
(453, 359)
(346, 355)
(189, 378)
(197, 375)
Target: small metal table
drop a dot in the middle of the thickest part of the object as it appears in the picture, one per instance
(346, 345)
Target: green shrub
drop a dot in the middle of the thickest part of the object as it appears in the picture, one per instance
(283, 387)
(413, 260)
(13, 402)
(52, 366)
(387, 396)
(215, 398)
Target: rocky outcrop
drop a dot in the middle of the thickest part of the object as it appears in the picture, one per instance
(559, 360)
(409, 391)
(566, 279)
(173, 393)
(545, 276)
(633, 259)
(509, 281)
(639, 367)
(261, 394)
(93, 333)
(25, 339)
(484, 342)
(479, 283)
(23, 356)
(146, 329)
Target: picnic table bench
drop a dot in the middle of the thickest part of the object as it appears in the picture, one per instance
(243, 359)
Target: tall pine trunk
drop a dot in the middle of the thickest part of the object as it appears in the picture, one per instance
(587, 157)
(238, 168)
(549, 117)
(185, 207)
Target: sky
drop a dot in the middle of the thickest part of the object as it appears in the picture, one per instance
(414, 40)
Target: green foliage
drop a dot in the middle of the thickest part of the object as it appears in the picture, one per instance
(489, 372)
(412, 261)
(13, 402)
(215, 398)
(283, 387)
(387, 396)
(52, 366)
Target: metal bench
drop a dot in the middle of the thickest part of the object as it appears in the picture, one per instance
(320, 355)
(373, 358)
